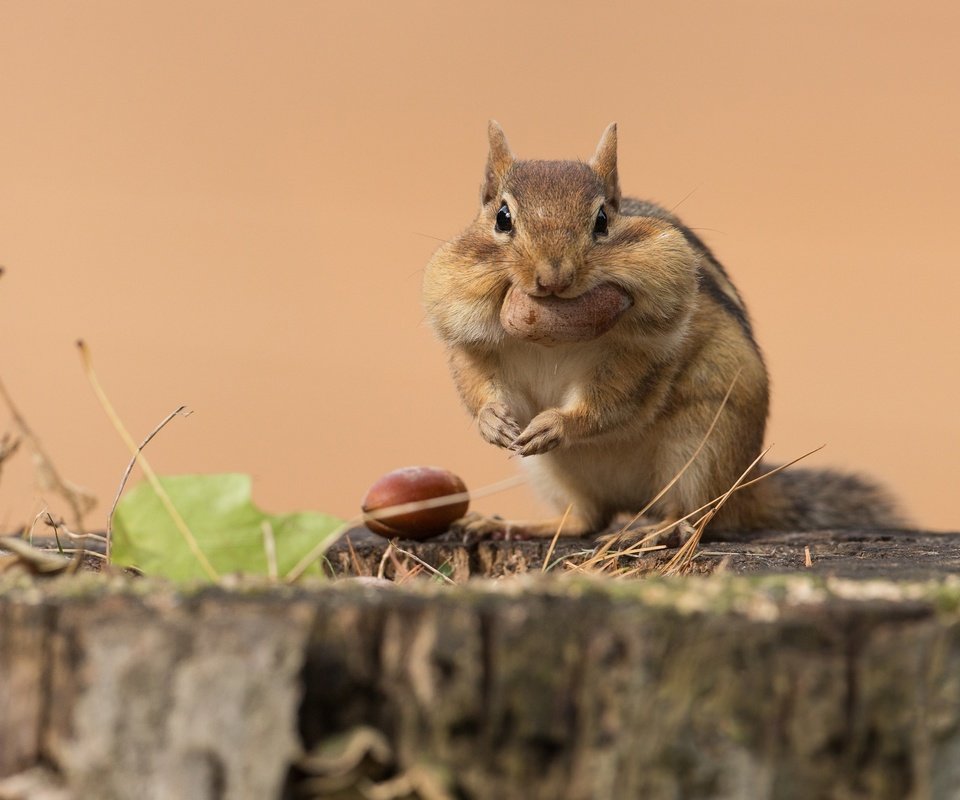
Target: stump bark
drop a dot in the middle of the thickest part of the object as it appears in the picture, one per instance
(837, 681)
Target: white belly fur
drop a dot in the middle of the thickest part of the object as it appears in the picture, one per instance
(535, 378)
(615, 473)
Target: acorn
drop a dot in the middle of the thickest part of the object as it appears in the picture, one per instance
(413, 485)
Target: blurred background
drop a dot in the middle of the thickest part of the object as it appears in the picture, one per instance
(232, 203)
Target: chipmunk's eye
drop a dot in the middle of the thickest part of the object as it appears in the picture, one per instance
(600, 226)
(504, 219)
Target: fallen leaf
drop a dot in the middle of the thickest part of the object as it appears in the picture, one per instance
(228, 527)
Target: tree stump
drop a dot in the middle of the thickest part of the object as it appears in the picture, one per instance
(767, 679)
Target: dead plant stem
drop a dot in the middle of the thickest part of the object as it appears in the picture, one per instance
(148, 472)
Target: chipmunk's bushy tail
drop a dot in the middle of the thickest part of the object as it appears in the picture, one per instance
(813, 499)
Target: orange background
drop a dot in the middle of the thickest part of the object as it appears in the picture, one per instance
(233, 202)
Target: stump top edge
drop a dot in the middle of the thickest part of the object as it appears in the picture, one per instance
(758, 597)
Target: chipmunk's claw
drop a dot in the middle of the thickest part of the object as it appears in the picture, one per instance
(544, 433)
(497, 425)
(478, 527)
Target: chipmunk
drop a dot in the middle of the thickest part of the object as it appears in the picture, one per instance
(606, 414)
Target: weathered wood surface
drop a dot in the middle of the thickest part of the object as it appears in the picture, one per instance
(130, 690)
(901, 555)
(807, 685)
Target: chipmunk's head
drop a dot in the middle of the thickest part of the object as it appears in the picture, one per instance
(551, 216)
(550, 231)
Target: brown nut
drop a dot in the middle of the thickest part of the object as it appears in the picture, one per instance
(411, 485)
(552, 320)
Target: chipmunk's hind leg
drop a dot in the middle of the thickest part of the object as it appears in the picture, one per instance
(632, 530)
(481, 526)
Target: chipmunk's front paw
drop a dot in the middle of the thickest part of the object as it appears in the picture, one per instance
(497, 424)
(545, 431)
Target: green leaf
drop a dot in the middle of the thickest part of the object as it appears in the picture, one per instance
(227, 525)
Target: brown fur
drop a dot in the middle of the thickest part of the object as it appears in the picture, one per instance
(604, 424)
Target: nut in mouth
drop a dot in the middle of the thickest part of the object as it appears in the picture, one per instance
(554, 320)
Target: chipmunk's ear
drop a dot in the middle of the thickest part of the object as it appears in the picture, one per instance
(604, 163)
(499, 160)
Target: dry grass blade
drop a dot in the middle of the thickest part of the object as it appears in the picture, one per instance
(606, 554)
(33, 526)
(685, 554)
(609, 552)
(703, 441)
(354, 558)
(617, 539)
(148, 472)
(553, 541)
(319, 549)
(402, 569)
(181, 411)
(79, 499)
(422, 563)
(269, 549)
(780, 468)
(382, 569)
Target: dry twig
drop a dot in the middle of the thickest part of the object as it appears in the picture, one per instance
(553, 541)
(181, 411)
(79, 499)
(8, 446)
(35, 559)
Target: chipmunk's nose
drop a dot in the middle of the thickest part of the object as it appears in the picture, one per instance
(551, 278)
